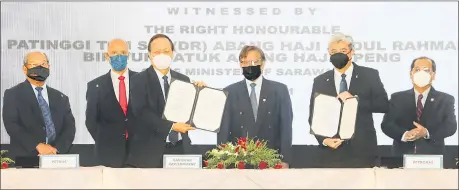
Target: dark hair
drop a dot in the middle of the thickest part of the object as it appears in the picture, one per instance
(159, 36)
(246, 49)
(434, 66)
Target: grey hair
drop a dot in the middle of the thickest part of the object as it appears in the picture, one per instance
(27, 55)
(340, 37)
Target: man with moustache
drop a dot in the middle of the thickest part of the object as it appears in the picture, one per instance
(109, 117)
(258, 108)
(346, 80)
(419, 119)
(37, 118)
(156, 136)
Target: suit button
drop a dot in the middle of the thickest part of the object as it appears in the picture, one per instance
(230, 133)
(242, 126)
(269, 127)
(126, 119)
(269, 112)
(240, 113)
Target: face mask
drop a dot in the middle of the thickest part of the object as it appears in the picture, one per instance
(118, 62)
(339, 60)
(38, 73)
(162, 61)
(421, 78)
(251, 72)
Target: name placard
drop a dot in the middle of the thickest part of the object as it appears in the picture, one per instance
(186, 161)
(60, 161)
(414, 161)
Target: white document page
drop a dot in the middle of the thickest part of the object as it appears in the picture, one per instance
(180, 100)
(347, 125)
(209, 109)
(325, 120)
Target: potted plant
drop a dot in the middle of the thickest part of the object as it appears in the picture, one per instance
(5, 160)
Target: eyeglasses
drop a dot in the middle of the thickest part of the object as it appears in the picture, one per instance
(251, 63)
(344, 51)
(43, 64)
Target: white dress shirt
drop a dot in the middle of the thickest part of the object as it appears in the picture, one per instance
(348, 74)
(116, 84)
(44, 92)
(161, 81)
(423, 101)
(258, 83)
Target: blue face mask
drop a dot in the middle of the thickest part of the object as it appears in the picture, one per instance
(118, 62)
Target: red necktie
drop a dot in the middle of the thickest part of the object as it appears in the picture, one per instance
(122, 97)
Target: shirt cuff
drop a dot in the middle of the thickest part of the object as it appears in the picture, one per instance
(323, 143)
(428, 135)
(403, 136)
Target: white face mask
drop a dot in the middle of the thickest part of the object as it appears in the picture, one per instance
(421, 78)
(162, 61)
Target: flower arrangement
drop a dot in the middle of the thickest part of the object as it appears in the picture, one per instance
(246, 153)
(5, 160)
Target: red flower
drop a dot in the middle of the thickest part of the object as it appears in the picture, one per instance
(278, 166)
(223, 145)
(220, 166)
(237, 149)
(263, 165)
(206, 163)
(241, 165)
(259, 143)
(4, 165)
(242, 141)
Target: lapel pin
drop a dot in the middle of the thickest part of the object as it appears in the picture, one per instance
(356, 76)
(328, 79)
(264, 99)
(97, 85)
(62, 95)
(432, 99)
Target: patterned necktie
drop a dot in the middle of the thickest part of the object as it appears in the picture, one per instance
(122, 98)
(419, 108)
(46, 112)
(173, 135)
(343, 84)
(253, 100)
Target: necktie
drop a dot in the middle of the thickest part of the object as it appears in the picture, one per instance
(122, 98)
(173, 135)
(419, 108)
(253, 100)
(46, 112)
(343, 84)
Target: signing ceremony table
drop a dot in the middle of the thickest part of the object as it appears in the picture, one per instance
(133, 178)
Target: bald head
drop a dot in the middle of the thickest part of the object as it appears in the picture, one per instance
(35, 58)
(117, 47)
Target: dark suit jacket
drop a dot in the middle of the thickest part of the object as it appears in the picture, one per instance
(151, 131)
(362, 149)
(24, 121)
(274, 119)
(438, 117)
(106, 121)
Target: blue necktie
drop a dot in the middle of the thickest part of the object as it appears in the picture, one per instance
(343, 84)
(253, 100)
(46, 112)
(173, 135)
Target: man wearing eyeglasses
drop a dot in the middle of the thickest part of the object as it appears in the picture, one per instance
(346, 80)
(37, 118)
(258, 108)
(419, 119)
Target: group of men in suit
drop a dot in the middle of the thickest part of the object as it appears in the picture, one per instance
(124, 109)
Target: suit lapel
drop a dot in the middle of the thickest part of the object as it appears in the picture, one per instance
(53, 104)
(329, 87)
(31, 100)
(109, 92)
(429, 105)
(355, 81)
(410, 100)
(155, 88)
(131, 73)
(265, 97)
(244, 101)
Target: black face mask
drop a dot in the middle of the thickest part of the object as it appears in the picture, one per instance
(38, 73)
(339, 60)
(251, 72)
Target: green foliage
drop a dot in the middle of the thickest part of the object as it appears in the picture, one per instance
(249, 151)
(4, 159)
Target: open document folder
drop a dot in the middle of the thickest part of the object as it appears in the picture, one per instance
(332, 117)
(200, 107)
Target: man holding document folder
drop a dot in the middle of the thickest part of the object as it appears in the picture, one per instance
(348, 81)
(155, 136)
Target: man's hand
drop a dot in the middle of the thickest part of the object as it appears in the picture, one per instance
(420, 130)
(182, 127)
(45, 149)
(199, 83)
(344, 95)
(284, 165)
(410, 135)
(333, 142)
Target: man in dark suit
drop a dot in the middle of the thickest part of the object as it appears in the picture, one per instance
(361, 150)
(109, 116)
(258, 108)
(37, 118)
(155, 136)
(419, 119)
